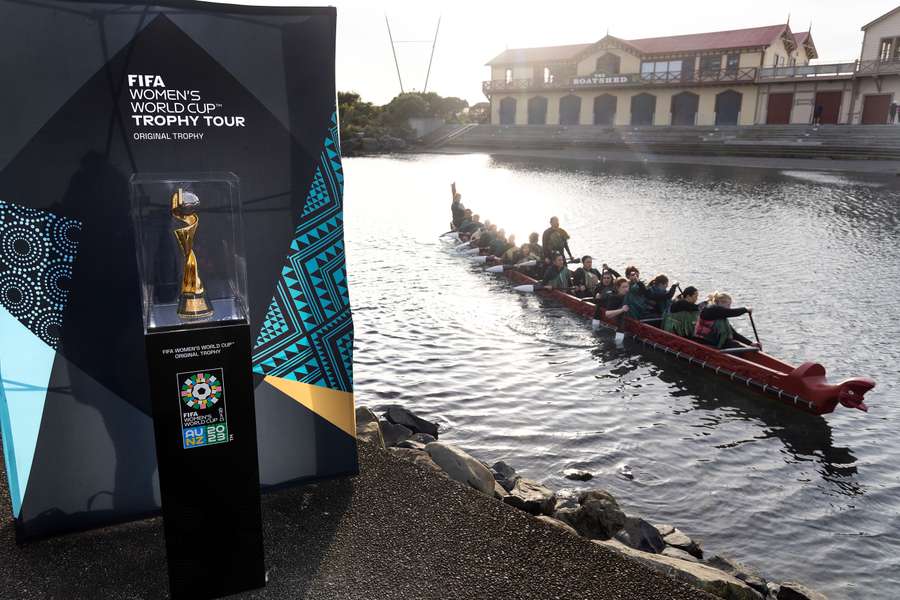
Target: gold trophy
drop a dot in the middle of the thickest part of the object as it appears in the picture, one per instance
(192, 302)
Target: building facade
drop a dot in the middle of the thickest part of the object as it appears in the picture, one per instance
(740, 77)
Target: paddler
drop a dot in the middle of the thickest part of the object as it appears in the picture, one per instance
(636, 289)
(657, 296)
(712, 325)
(682, 316)
(486, 239)
(557, 274)
(586, 278)
(457, 210)
(500, 245)
(613, 304)
(556, 240)
(607, 284)
(514, 255)
(535, 247)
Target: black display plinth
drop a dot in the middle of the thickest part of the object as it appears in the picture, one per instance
(205, 426)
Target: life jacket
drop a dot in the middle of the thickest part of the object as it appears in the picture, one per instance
(562, 280)
(637, 304)
(590, 281)
(716, 331)
(681, 323)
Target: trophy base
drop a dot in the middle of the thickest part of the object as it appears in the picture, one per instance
(194, 306)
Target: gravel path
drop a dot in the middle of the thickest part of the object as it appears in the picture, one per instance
(397, 531)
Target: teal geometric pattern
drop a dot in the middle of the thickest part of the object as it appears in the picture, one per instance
(307, 335)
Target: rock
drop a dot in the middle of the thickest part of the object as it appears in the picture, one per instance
(578, 475)
(531, 497)
(565, 499)
(681, 541)
(499, 492)
(664, 530)
(557, 523)
(461, 467)
(676, 553)
(402, 416)
(597, 516)
(420, 458)
(393, 144)
(745, 574)
(641, 535)
(364, 416)
(505, 475)
(699, 575)
(423, 438)
(393, 434)
(367, 429)
(791, 590)
(411, 444)
(774, 588)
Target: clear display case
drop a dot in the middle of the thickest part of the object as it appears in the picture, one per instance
(190, 250)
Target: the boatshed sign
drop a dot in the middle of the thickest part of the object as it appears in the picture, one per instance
(600, 79)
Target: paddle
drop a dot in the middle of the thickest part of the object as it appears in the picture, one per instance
(752, 324)
(501, 268)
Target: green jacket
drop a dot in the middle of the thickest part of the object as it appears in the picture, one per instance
(681, 323)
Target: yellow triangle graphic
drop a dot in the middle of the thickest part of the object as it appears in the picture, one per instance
(332, 405)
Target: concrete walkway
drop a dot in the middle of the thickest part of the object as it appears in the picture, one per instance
(397, 531)
(882, 167)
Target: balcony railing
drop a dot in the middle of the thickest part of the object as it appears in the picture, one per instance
(866, 68)
(747, 75)
(808, 71)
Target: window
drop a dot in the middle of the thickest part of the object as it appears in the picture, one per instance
(508, 76)
(608, 64)
(896, 55)
(884, 54)
(662, 70)
(731, 63)
(711, 63)
(548, 75)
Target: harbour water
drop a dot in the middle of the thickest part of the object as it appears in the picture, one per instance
(515, 377)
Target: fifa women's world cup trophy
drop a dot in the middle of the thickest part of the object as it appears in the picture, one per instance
(192, 303)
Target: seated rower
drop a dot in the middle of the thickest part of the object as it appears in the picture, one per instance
(607, 285)
(712, 325)
(555, 240)
(612, 305)
(533, 242)
(586, 278)
(500, 244)
(471, 224)
(487, 237)
(557, 274)
(657, 296)
(636, 301)
(514, 255)
(682, 316)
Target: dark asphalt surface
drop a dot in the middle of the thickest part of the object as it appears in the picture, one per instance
(397, 531)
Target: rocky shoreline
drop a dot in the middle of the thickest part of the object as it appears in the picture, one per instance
(593, 514)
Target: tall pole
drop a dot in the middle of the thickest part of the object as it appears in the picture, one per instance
(394, 51)
(433, 45)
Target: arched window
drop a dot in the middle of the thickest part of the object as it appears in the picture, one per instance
(570, 110)
(728, 107)
(643, 107)
(508, 111)
(508, 76)
(548, 75)
(608, 64)
(605, 109)
(684, 108)
(537, 111)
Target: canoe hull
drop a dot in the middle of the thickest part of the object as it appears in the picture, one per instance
(804, 387)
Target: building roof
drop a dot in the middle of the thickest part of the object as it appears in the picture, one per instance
(530, 55)
(714, 40)
(884, 16)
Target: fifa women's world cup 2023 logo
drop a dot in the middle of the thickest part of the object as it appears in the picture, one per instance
(192, 303)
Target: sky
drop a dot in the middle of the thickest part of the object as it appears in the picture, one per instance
(473, 32)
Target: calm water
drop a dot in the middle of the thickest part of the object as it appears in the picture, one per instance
(517, 378)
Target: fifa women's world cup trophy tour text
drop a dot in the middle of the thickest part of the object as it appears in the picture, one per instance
(192, 302)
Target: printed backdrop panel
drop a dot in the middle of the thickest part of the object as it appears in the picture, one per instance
(164, 87)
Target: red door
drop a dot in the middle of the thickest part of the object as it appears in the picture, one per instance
(779, 109)
(831, 106)
(875, 109)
